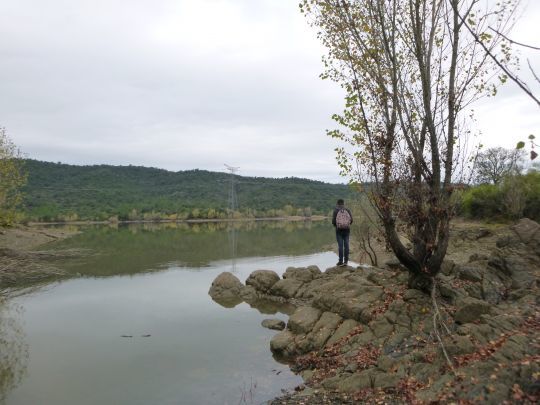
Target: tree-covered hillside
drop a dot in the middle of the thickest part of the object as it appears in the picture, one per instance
(58, 191)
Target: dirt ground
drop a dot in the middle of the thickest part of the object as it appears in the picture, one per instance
(20, 264)
(28, 238)
(467, 237)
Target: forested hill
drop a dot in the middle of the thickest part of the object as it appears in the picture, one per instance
(57, 191)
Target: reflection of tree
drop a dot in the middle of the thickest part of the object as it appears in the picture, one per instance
(142, 247)
(13, 348)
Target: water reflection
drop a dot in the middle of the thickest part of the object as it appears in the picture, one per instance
(13, 348)
(135, 248)
(198, 352)
(233, 245)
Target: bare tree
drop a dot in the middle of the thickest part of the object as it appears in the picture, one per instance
(494, 164)
(410, 70)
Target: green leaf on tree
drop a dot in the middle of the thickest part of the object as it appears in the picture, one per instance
(520, 145)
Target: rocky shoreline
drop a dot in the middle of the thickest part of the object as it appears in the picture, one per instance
(360, 334)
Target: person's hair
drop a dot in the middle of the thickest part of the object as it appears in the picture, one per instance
(340, 202)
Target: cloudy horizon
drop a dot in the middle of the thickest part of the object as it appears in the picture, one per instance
(183, 85)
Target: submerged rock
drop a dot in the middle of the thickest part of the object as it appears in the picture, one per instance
(275, 324)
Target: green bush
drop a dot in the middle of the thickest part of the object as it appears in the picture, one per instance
(483, 201)
(516, 197)
(532, 197)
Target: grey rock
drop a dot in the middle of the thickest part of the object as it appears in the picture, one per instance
(303, 319)
(339, 270)
(356, 382)
(314, 269)
(286, 288)
(386, 363)
(449, 292)
(386, 380)
(381, 277)
(474, 290)
(226, 286)
(323, 329)
(393, 263)
(469, 272)
(262, 280)
(447, 267)
(470, 309)
(492, 289)
(521, 269)
(476, 257)
(303, 274)
(282, 344)
(414, 295)
(249, 294)
(364, 338)
(527, 230)
(275, 324)
(459, 345)
(343, 330)
(381, 327)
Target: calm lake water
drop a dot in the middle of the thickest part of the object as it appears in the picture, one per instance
(62, 343)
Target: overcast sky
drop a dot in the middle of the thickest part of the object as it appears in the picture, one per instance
(182, 84)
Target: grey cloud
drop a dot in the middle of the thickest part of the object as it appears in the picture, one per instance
(120, 82)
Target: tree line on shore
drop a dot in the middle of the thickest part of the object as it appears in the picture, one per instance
(56, 192)
(62, 192)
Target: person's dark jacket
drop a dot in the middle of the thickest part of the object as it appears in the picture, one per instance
(336, 210)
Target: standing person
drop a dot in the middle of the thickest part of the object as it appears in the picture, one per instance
(342, 220)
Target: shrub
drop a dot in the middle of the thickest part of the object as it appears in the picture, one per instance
(483, 201)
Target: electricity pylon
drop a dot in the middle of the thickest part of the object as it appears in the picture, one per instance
(233, 200)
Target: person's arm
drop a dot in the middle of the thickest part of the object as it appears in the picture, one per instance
(334, 215)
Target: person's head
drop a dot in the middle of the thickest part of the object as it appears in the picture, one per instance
(340, 202)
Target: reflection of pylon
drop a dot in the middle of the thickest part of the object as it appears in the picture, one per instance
(233, 206)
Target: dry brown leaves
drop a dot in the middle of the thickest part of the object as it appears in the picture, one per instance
(389, 298)
(531, 325)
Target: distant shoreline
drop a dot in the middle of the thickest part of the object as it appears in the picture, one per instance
(180, 221)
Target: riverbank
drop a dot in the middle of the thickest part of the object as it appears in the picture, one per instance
(21, 264)
(360, 335)
(183, 221)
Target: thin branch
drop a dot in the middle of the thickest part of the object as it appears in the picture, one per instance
(532, 71)
(511, 75)
(514, 42)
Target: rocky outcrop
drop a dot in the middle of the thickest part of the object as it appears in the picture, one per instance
(360, 332)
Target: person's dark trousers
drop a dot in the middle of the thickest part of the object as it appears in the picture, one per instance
(342, 237)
